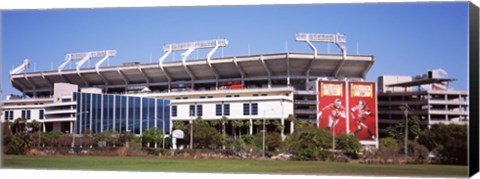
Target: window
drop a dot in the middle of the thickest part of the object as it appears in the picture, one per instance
(264, 95)
(177, 98)
(192, 110)
(23, 114)
(229, 96)
(11, 115)
(246, 109)
(209, 96)
(185, 98)
(236, 96)
(218, 109)
(199, 110)
(254, 108)
(40, 114)
(202, 97)
(174, 111)
(226, 109)
(7, 115)
(255, 94)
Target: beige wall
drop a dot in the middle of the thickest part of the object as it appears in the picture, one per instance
(383, 81)
(63, 89)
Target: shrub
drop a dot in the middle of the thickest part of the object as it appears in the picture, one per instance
(19, 143)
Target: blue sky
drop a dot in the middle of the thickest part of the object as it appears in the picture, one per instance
(405, 38)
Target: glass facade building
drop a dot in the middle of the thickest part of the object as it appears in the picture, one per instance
(102, 112)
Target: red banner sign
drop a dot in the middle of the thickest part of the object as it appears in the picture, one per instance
(362, 109)
(332, 112)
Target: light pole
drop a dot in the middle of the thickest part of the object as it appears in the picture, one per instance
(73, 125)
(333, 137)
(406, 131)
(263, 140)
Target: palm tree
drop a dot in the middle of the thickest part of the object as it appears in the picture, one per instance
(224, 120)
(19, 124)
(248, 124)
(278, 126)
(238, 124)
(292, 119)
(215, 124)
(8, 125)
(37, 129)
(258, 123)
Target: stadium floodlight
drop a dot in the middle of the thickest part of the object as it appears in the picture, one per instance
(94, 54)
(328, 38)
(189, 47)
(85, 56)
(25, 65)
(196, 45)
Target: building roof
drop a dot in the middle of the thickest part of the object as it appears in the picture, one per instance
(277, 65)
(420, 82)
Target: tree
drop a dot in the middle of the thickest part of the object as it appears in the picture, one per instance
(37, 126)
(258, 123)
(292, 119)
(308, 143)
(278, 126)
(237, 124)
(273, 140)
(204, 135)
(448, 142)
(7, 127)
(347, 143)
(20, 124)
(151, 135)
(51, 137)
(398, 131)
(215, 123)
(19, 143)
(248, 124)
(224, 121)
(388, 147)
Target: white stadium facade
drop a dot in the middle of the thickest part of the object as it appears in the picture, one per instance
(247, 88)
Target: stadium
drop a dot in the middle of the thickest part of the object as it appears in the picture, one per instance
(135, 96)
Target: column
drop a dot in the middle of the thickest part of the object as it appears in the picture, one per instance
(71, 127)
(283, 130)
(251, 126)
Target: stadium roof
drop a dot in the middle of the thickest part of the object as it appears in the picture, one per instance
(253, 67)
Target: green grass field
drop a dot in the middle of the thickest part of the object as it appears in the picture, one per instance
(226, 166)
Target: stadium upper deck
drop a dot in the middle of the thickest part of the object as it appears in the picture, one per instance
(292, 69)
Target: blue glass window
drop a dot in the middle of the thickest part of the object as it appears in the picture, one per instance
(199, 110)
(137, 117)
(160, 114)
(226, 109)
(145, 117)
(106, 106)
(40, 114)
(218, 109)
(174, 111)
(166, 118)
(131, 113)
(192, 110)
(254, 108)
(151, 113)
(6, 116)
(246, 109)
